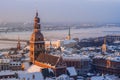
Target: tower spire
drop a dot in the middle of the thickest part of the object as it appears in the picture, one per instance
(36, 13)
(69, 31)
(36, 22)
(69, 35)
(18, 44)
(104, 40)
(104, 47)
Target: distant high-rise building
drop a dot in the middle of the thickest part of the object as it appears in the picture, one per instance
(37, 40)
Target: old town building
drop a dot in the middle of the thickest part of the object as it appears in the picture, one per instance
(10, 63)
(107, 64)
(80, 62)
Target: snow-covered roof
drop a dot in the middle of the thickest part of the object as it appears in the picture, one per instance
(10, 79)
(4, 53)
(34, 68)
(76, 57)
(53, 41)
(1, 54)
(109, 57)
(50, 70)
(4, 60)
(116, 58)
(69, 41)
(99, 56)
(47, 78)
(97, 78)
(16, 55)
(27, 47)
(105, 77)
(72, 71)
(26, 59)
(63, 77)
(29, 76)
(116, 41)
(68, 50)
(9, 72)
(26, 64)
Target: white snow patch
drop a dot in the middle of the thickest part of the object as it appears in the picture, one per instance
(72, 71)
(34, 68)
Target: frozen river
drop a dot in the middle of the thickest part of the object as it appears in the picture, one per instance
(61, 34)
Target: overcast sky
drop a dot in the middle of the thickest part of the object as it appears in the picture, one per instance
(60, 10)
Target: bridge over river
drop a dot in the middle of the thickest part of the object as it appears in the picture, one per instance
(14, 40)
(6, 43)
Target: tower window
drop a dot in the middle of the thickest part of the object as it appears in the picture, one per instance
(32, 52)
(37, 46)
(39, 38)
(31, 46)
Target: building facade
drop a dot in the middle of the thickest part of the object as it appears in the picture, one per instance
(107, 65)
(81, 63)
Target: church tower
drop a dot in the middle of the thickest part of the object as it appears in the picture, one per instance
(18, 44)
(37, 40)
(104, 47)
(69, 35)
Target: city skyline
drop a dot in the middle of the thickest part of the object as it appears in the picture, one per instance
(100, 11)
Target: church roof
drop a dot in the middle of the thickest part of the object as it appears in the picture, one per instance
(48, 59)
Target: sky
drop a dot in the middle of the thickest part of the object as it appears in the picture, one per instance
(71, 11)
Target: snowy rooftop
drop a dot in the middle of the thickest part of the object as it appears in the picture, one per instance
(72, 71)
(116, 58)
(26, 65)
(109, 57)
(34, 68)
(63, 77)
(76, 57)
(69, 41)
(105, 77)
(4, 60)
(27, 47)
(8, 72)
(68, 50)
(29, 76)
